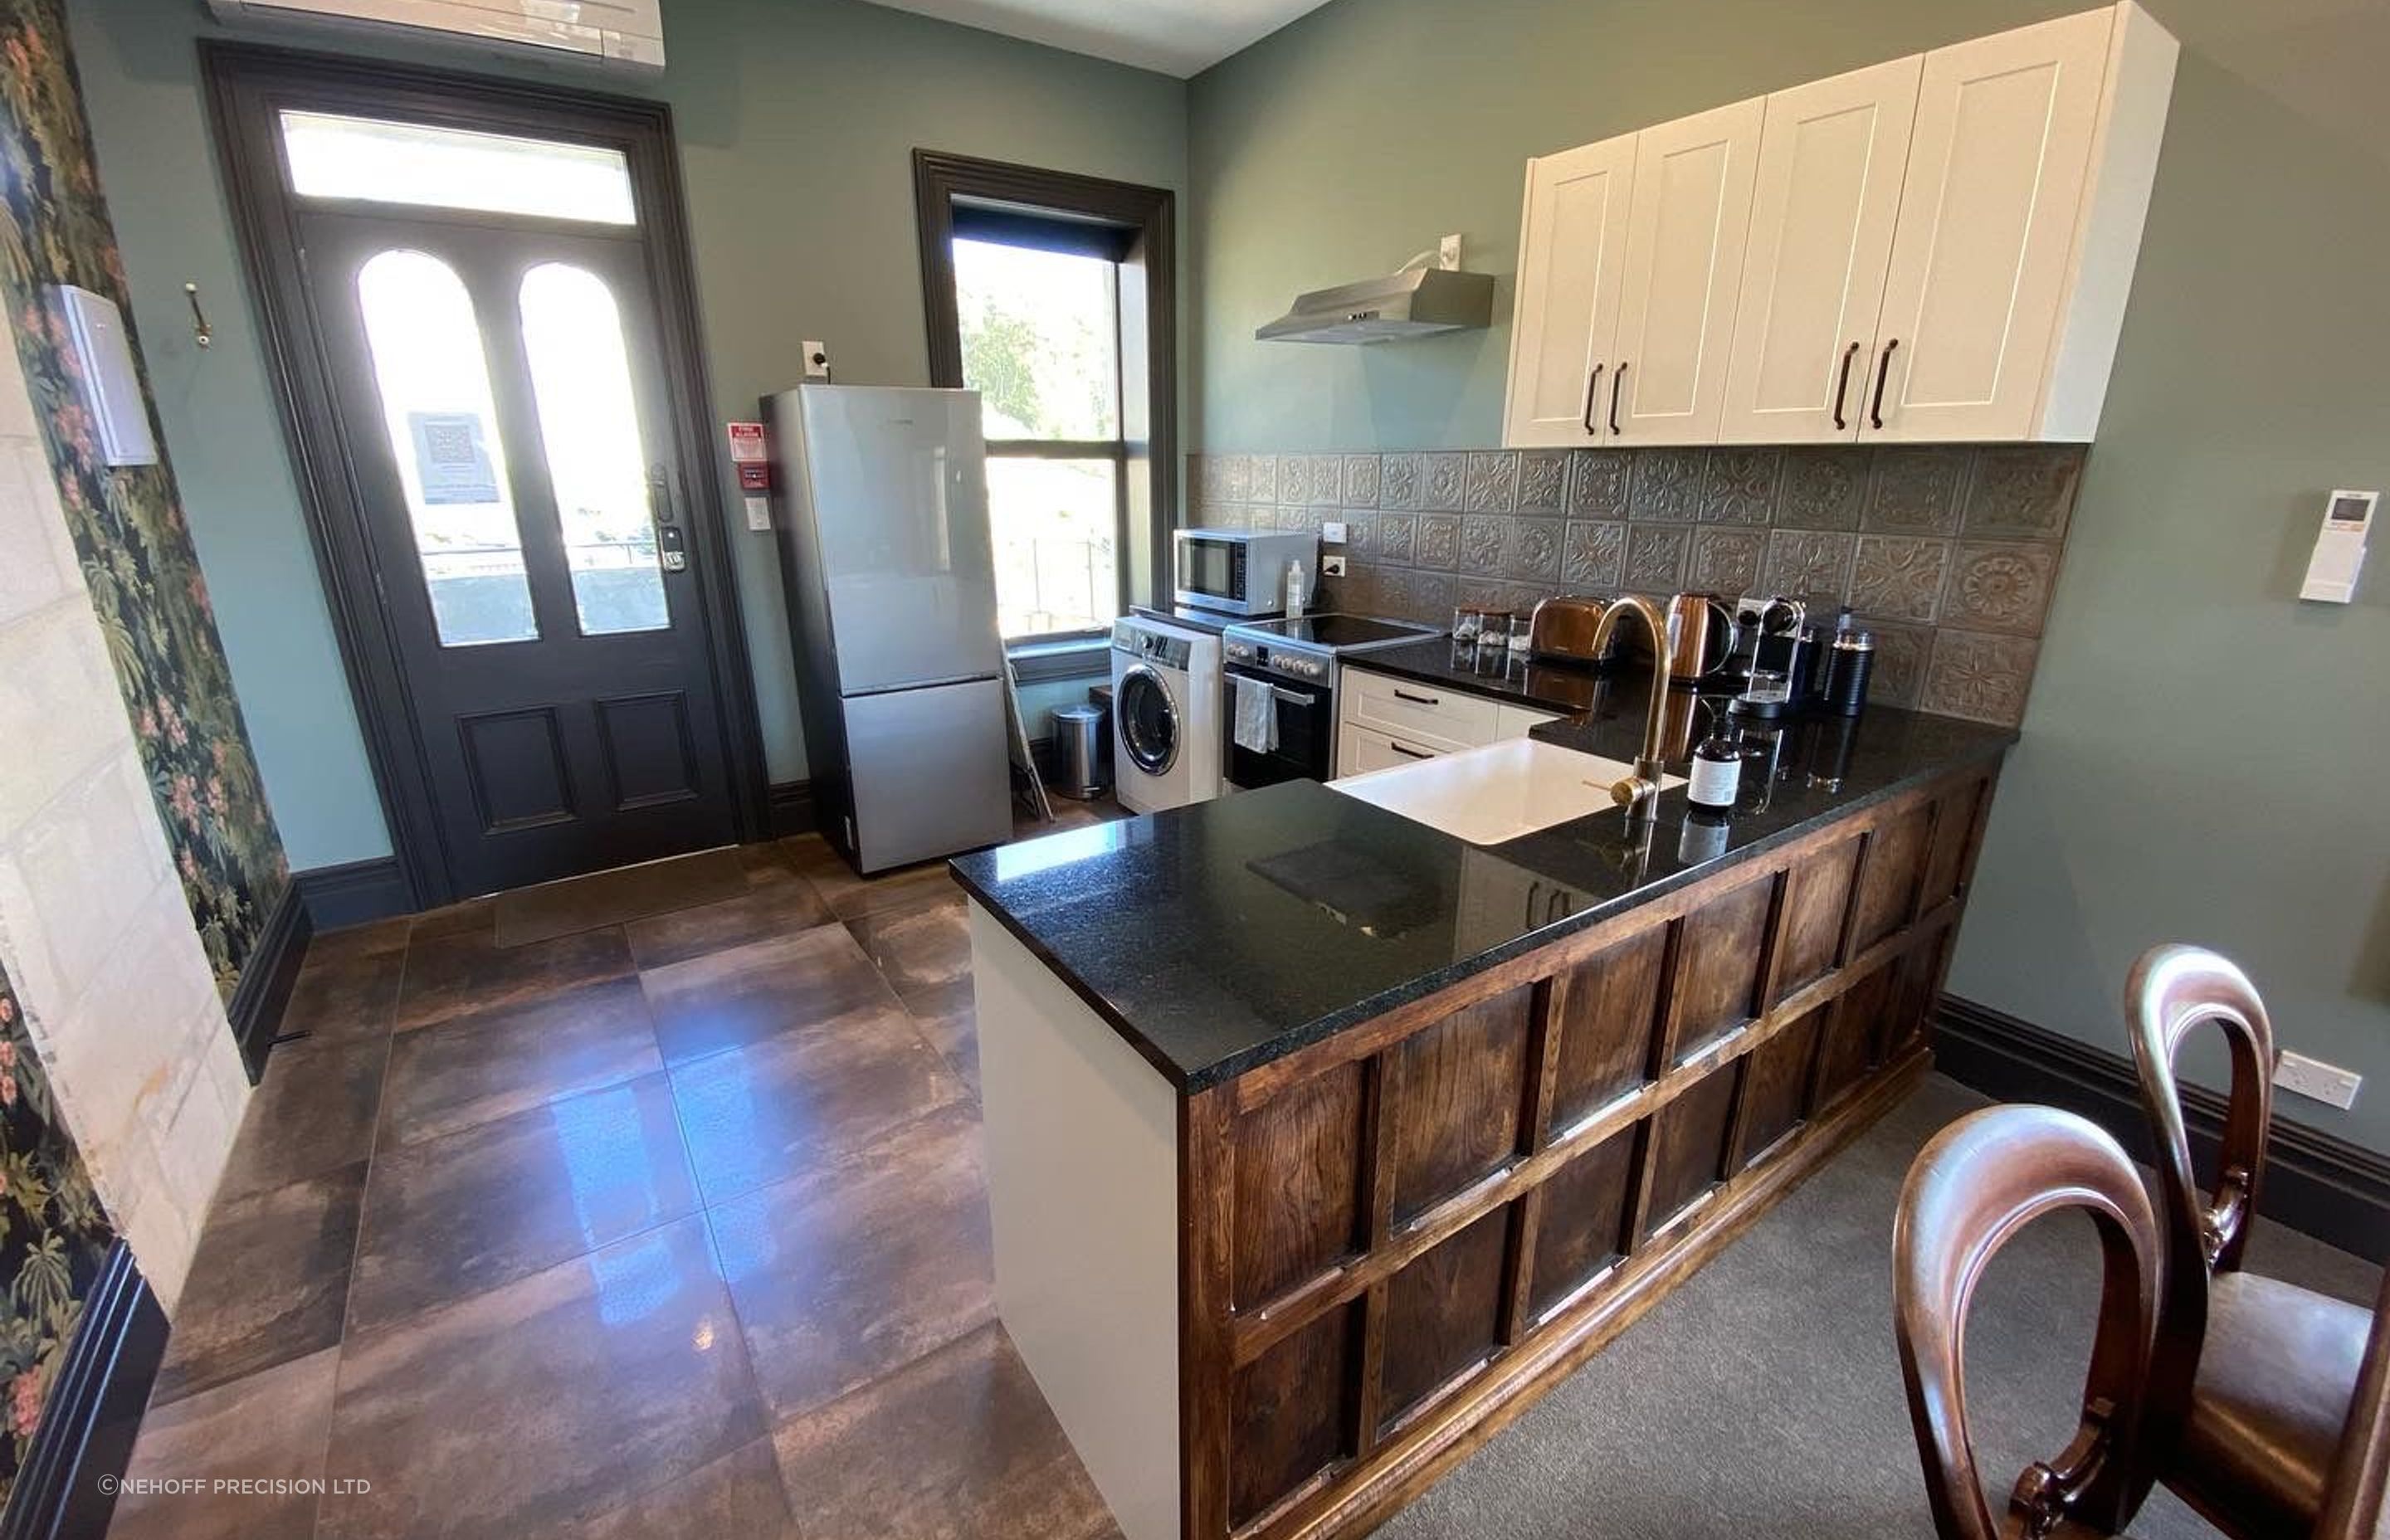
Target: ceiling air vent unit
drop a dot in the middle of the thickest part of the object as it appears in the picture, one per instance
(623, 35)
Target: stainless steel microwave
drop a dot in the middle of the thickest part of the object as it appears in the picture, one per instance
(1242, 571)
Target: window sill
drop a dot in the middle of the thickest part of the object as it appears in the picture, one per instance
(1079, 658)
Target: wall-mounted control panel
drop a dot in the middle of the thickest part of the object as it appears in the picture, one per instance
(2340, 548)
(111, 384)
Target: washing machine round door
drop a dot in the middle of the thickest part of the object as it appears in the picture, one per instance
(1149, 720)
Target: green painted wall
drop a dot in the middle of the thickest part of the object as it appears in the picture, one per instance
(2203, 756)
(796, 120)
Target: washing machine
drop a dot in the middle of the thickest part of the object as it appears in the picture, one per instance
(1166, 727)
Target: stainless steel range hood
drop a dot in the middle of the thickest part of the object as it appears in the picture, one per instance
(1416, 302)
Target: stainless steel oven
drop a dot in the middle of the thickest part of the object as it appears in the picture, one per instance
(1307, 732)
(1242, 571)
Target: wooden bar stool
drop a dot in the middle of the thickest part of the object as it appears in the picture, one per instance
(2250, 1378)
(1972, 1189)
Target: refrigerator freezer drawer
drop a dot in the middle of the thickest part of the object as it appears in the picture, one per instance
(929, 771)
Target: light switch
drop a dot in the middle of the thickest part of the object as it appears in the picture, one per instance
(759, 513)
(1332, 532)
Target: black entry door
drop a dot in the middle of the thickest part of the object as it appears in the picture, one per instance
(500, 398)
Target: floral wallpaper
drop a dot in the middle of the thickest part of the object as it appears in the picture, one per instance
(52, 1238)
(127, 523)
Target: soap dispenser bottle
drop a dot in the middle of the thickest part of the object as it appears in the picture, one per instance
(1717, 767)
(1294, 594)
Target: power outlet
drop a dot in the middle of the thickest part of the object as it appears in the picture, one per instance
(1448, 253)
(1331, 566)
(816, 359)
(2312, 1077)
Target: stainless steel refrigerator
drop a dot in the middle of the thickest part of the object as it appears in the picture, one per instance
(880, 498)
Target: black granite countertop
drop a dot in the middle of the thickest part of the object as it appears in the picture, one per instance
(1556, 687)
(1218, 937)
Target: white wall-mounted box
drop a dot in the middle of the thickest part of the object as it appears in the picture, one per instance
(112, 386)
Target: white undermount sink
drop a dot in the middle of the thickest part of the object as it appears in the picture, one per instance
(1496, 793)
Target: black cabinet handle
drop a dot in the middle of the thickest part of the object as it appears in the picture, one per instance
(1617, 384)
(1842, 384)
(1406, 752)
(1592, 394)
(1882, 372)
(1419, 700)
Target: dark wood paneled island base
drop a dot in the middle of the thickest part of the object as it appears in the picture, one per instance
(1393, 1240)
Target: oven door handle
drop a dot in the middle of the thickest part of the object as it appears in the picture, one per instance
(1291, 697)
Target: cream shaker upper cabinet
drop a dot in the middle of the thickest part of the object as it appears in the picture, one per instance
(1831, 160)
(2029, 174)
(1572, 245)
(1685, 237)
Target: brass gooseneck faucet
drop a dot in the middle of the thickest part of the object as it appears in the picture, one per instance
(1640, 792)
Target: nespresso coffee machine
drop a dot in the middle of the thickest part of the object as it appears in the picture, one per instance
(1774, 662)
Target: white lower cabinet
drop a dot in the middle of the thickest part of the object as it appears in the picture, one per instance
(1383, 722)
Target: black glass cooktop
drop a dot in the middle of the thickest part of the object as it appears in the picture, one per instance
(1339, 633)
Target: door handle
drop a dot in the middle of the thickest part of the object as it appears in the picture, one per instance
(1419, 700)
(1407, 751)
(1882, 372)
(660, 496)
(1842, 384)
(1592, 394)
(1617, 387)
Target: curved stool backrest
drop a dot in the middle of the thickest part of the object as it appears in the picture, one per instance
(1972, 1189)
(2173, 991)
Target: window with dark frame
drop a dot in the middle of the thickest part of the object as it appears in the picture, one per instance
(1050, 294)
(1037, 306)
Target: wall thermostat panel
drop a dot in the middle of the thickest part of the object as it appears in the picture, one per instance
(2340, 548)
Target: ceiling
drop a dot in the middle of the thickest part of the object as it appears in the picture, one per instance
(1176, 37)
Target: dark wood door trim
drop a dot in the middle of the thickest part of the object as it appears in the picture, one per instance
(246, 85)
(1149, 331)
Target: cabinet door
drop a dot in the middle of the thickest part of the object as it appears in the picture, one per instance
(1831, 160)
(1366, 749)
(1572, 241)
(1685, 238)
(1511, 722)
(1996, 167)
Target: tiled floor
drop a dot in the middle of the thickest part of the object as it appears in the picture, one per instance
(667, 1227)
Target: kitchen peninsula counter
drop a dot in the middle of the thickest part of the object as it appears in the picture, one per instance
(1318, 1138)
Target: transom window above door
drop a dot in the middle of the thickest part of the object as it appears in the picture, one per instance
(382, 161)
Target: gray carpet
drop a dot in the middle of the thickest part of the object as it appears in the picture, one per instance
(1764, 1399)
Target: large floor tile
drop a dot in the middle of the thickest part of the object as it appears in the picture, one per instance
(374, 938)
(481, 1065)
(341, 997)
(863, 1264)
(850, 896)
(312, 1113)
(466, 969)
(468, 1212)
(269, 1426)
(767, 910)
(551, 1400)
(747, 993)
(736, 1497)
(268, 1284)
(778, 1107)
(615, 897)
(917, 945)
(958, 1446)
(949, 1019)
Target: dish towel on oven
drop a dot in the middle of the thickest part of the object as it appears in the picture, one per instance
(1256, 724)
